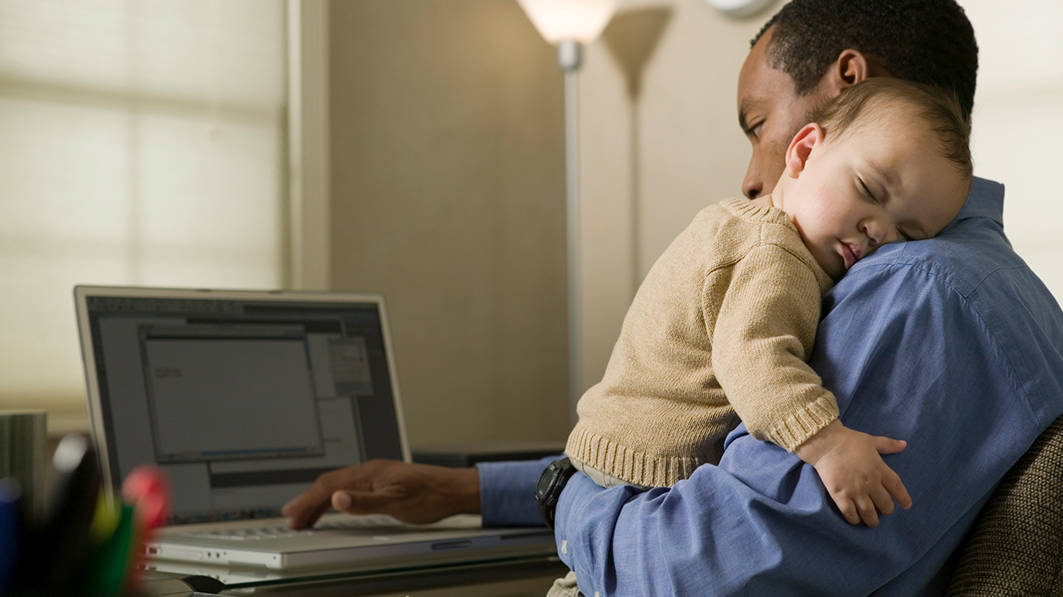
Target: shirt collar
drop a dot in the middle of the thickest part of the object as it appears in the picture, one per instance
(985, 200)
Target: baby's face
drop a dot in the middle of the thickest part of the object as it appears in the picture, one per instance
(884, 181)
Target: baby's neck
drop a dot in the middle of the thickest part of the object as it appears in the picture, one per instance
(777, 197)
(763, 201)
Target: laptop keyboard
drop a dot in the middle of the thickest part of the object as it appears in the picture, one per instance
(274, 532)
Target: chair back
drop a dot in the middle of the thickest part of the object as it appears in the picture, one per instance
(1016, 544)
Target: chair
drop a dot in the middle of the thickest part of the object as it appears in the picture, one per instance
(1016, 544)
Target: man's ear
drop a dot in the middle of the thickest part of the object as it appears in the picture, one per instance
(850, 68)
(808, 138)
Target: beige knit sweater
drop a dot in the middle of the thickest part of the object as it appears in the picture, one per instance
(722, 324)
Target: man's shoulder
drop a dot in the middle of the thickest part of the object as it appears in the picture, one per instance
(962, 296)
(962, 261)
(967, 281)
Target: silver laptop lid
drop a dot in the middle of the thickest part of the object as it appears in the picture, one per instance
(243, 398)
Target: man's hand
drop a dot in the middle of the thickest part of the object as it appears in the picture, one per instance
(415, 493)
(851, 468)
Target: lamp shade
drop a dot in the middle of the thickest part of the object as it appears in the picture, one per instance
(740, 8)
(569, 20)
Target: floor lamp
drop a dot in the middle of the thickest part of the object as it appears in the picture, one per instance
(570, 24)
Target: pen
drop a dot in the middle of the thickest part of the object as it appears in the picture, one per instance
(112, 562)
(9, 530)
(64, 543)
(147, 488)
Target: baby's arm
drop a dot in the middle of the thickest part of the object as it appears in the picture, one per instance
(764, 330)
(851, 467)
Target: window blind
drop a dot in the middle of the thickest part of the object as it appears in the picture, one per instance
(142, 142)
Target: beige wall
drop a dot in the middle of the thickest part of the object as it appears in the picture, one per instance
(447, 177)
(1017, 123)
(448, 189)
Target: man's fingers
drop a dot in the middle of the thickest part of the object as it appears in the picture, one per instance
(302, 515)
(341, 500)
(306, 508)
(361, 502)
(301, 509)
(305, 501)
(888, 445)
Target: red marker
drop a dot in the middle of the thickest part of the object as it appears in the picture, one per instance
(147, 489)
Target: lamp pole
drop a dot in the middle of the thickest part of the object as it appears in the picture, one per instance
(570, 57)
(570, 24)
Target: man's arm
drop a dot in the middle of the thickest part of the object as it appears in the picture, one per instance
(502, 491)
(410, 492)
(906, 357)
(507, 492)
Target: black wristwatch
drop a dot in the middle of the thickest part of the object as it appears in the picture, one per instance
(548, 489)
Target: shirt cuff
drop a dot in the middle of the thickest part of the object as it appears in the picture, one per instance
(507, 492)
(578, 489)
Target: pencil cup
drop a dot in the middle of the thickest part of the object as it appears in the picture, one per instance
(22, 458)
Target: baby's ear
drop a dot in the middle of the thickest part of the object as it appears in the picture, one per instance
(801, 146)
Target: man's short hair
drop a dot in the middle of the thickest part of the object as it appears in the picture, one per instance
(872, 99)
(926, 41)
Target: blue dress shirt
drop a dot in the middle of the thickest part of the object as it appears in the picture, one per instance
(952, 344)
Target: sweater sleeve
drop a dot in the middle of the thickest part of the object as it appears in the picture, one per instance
(764, 330)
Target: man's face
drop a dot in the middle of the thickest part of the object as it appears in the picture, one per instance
(770, 113)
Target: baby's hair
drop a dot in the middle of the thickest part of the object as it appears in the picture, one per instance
(937, 108)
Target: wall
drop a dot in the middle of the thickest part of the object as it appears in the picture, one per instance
(447, 191)
(1018, 121)
(448, 179)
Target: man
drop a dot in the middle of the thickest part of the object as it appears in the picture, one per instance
(951, 344)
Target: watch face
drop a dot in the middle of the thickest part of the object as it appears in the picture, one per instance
(547, 481)
(549, 486)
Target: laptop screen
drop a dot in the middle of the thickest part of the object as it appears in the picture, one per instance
(243, 399)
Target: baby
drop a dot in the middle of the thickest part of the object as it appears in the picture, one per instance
(723, 323)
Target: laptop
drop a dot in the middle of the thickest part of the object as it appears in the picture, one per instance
(243, 398)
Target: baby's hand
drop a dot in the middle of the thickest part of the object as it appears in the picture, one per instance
(851, 468)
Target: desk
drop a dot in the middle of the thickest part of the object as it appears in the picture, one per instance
(527, 577)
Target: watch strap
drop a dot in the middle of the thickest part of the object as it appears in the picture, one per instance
(548, 490)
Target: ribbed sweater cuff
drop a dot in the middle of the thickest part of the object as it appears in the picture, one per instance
(801, 424)
(628, 464)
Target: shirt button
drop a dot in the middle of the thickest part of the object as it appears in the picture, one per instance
(564, 547)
